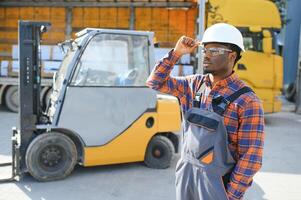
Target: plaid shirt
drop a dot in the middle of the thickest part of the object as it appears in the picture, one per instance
(243, 118)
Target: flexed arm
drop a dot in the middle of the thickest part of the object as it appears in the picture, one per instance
(180, 87)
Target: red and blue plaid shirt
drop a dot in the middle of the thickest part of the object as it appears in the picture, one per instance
(244, 118)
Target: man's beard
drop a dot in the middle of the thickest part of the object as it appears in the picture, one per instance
(207, 71)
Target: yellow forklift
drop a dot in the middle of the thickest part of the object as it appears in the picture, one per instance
(100, 111)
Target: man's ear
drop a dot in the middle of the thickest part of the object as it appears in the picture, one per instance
(233, 55)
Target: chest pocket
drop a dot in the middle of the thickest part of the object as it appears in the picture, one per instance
(202, 134)
(202, 121)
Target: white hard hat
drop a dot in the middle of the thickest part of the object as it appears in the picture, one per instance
(224, 33)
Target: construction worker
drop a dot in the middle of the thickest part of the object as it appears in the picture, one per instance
(223, 118)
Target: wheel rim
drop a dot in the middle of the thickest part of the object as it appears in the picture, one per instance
(158, 152)
(52, 157)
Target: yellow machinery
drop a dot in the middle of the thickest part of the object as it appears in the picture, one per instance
(100, 110)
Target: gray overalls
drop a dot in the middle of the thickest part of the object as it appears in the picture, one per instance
(205, 156)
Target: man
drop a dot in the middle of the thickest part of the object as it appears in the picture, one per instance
(223, 123)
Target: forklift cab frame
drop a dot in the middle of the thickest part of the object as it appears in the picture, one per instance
(126, 64)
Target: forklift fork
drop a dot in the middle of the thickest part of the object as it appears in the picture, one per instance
(15, 164)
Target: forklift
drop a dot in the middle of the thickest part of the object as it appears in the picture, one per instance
(99, 113)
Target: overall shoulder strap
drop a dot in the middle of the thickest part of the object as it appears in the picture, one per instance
(199, 93)
(237, 94)
(220, 104)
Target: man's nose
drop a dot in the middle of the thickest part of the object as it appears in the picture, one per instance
(206, 57)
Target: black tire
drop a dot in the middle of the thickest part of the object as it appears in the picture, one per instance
(290, 92)
(12, 98)
(159, 153)
(51, 156)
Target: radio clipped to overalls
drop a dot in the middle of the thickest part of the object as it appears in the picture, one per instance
(206, 162)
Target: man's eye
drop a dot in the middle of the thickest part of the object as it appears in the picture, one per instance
(213, 50)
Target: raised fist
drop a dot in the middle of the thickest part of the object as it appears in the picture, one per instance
(186, 45)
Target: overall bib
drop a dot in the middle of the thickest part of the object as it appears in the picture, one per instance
(205, 157)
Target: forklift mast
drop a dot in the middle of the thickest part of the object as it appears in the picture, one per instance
(30, 111)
